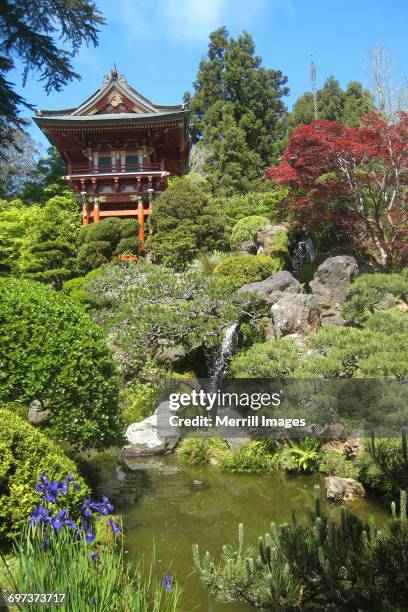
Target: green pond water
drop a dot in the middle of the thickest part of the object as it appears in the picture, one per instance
(162, 508)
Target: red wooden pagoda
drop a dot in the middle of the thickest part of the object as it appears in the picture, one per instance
(119, 148)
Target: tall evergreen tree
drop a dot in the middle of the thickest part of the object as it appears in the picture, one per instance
(334, 104)
(237, 100)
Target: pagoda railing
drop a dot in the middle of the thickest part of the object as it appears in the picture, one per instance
(145, 167)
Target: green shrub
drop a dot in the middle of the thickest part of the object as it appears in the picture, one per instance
(241, 269)
(26, 453)
(272, 359)
(369, 289)
(254, 457)
(75, 287)
(246, 229)
(347, 352)
(184, 222)
(51, 351)
(138, 402)
(300, 455)
(334, 463)
(384, 465)
(196, 450)
(100, 242)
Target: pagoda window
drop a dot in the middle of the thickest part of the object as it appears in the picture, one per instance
(105, 163)
(132, 163)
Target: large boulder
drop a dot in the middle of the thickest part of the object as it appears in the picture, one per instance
(331, 283)
(343, 488)
(295, 313)
(282, 282)
(152, 436)
(272, 239)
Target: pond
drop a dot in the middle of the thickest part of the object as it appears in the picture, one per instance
(165, 510)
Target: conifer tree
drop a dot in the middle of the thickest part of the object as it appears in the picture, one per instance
(237, 102)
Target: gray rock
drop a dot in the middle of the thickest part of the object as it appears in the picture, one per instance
(248, 246)
(331, 283)
(343, 488)
(269, 239)
(280, 282)
(295, 313)
(152, 436)
(37, 415)
(170, 354)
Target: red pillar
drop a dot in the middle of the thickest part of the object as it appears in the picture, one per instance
(140, 218)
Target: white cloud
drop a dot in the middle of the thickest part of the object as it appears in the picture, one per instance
(193, 19)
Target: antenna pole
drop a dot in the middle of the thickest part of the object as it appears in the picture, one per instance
(313, 81)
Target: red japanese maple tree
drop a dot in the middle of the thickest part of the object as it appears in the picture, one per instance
(354, 176)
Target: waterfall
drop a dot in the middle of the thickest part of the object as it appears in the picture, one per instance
(304, 252)
(226, 351)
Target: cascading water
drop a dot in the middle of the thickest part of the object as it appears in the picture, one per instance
(226, 351)
(304, 252)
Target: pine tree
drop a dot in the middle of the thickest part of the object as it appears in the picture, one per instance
(237, 100)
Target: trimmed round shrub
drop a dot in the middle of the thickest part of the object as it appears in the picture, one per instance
(241, 269)
(100, 242)
(53, 352)
(246, 229)
(26, 453)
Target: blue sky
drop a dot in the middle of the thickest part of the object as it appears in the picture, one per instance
(158, 45)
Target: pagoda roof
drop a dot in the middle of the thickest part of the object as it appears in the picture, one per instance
(115, 101)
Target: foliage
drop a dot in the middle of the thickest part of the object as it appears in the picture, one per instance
(335, 463)
(39, 242)
(187, 310)
(45, 179)
(368, 290)
(48, 252)
(16, 161)
(30, 37)
(97, 578)
(206, 262)
(25, 454)
(384, 465)
(184, 222)
(139, 398)
(246, 229)
(261, 204)
(354, 176)
(16, 221)
(254, 457)
(196, 450)
(333, 104)
(322, 565)
(238, 112)
(345, 352)
(75, 287)
(99, 242)
(51, 351)
(238, 270)
(300, 455)
(272, 359)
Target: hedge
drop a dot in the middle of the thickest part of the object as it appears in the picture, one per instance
(53, 352)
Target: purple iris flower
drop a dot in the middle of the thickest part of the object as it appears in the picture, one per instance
(39, 516)
(167, 582)
(115, 528)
